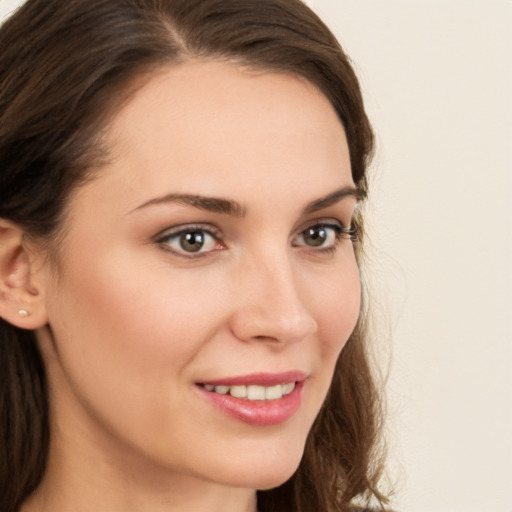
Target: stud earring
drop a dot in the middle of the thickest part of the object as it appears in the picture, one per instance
(23, 312)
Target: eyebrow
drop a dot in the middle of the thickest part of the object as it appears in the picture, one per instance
(210, 204)
(234, 209)
(332, 198)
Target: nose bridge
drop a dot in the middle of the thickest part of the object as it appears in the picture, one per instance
(273, 306)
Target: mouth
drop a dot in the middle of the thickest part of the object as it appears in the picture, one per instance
(260, 399)
(252, 392)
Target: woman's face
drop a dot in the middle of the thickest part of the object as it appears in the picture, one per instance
(206, 259)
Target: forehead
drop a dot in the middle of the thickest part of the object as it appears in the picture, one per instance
(204, 126)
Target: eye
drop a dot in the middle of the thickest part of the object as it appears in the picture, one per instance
(323, 235)
(318, 236)
(190, 240)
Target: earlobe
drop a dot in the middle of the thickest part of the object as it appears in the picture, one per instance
(21, 300)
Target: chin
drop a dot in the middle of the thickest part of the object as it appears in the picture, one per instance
(268, 484)
(268, 473)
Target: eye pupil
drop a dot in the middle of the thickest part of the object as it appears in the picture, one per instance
(315, 236)
(192, 241)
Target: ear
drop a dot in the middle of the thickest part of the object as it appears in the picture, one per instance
(21, 294)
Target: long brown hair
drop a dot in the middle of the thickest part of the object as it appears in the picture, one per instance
(65, 69)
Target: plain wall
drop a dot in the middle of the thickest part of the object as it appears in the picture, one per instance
(437, 77)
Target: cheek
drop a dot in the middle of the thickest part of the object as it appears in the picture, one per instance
(121, 332)
(138, 315)
(125, 345)
(338, 308)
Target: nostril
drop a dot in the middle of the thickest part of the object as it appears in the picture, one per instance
(253, 324)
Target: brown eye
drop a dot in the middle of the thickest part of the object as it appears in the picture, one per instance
(192, 241)
(321, 236)
(315, 236)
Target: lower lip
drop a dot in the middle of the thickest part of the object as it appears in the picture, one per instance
(258, 412)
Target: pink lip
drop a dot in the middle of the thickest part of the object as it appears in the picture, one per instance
(258, 412)
(260, 379)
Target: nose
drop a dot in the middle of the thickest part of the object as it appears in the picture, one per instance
(270, 304)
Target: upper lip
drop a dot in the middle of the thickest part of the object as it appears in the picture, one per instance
(259, 379)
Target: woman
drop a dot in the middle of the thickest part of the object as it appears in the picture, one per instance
(180, 250)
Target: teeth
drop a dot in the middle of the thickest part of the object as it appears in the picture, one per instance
(256, 393)
(238, 391)
(222, 390)
(253, 392)
(288, 388)
(274, 392)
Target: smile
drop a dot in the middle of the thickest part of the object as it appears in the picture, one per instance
(259, 399)
(253, 392)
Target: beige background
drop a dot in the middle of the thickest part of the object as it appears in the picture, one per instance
(437, 76)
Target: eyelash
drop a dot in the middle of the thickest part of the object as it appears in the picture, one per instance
(173, 234)
(340, 233)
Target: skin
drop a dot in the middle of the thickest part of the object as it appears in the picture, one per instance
(134, 321)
